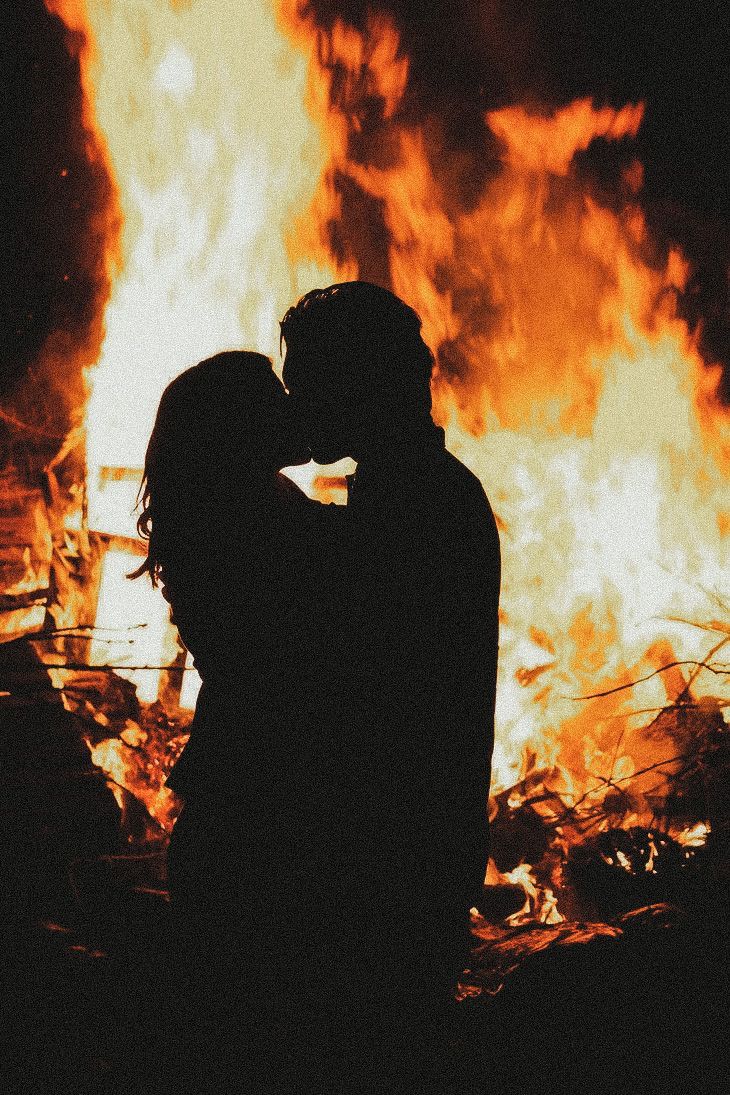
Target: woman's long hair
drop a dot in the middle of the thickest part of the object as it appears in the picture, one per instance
(212, 419)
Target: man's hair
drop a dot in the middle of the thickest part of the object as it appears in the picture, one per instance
(373, 336)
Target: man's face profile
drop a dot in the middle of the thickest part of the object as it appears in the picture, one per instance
(323, 402)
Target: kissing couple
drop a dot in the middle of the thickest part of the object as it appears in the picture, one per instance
(334, 830)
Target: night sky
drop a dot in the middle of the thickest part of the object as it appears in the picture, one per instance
(466, 57)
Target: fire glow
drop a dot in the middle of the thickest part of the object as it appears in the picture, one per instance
(572, 388)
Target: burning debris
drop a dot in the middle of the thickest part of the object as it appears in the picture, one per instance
(62, 225)
(135, 744)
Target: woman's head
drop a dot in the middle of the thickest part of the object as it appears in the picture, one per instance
(218, 424)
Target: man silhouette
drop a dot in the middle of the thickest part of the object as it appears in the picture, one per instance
(417, 629)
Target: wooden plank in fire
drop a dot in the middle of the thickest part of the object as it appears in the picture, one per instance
(26, 551)
(130, 544)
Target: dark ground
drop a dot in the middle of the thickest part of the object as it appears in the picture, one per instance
(644, 1013)
(635, 1004)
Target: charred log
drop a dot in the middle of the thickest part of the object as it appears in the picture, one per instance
(620, 870)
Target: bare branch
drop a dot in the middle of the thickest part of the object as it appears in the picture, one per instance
(718, 646)
(605, 781)
(84, 627)
(716, 628)
(720, 669)
(81, 667)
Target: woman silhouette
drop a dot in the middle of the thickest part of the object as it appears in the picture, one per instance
(234, 545)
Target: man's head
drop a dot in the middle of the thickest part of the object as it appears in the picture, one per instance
(356, 366)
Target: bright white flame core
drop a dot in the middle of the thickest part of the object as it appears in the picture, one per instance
(202, 108)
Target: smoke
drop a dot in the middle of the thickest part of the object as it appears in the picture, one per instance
(60, 231)
(468, 57)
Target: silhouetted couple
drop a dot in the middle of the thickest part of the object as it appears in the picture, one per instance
(334, 833)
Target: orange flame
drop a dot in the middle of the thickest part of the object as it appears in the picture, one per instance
(565, 377)
(536, 143)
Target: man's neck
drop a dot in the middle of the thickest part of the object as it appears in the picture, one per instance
(384, 443)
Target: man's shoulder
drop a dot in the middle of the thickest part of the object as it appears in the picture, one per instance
(441, 503)
(455, 485)
(288, 490)
(461, 475)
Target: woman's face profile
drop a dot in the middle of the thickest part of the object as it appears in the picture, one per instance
(293, 434)
(232, 413)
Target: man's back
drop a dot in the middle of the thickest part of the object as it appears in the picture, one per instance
(426, 589)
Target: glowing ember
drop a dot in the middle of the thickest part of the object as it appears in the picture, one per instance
(540, 902)
(695, 836)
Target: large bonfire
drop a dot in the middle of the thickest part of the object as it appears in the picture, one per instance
(249, 170)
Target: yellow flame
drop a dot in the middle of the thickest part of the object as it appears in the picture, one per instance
(540, 902)
(587, 412)
(694, 836)
(109, 756)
